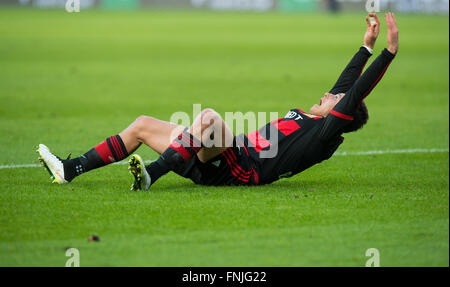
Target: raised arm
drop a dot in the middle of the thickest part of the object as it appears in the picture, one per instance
(354, 69)
(364, 85)
(342, 114)
(351, 72)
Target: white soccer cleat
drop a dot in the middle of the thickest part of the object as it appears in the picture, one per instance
(142, 180)
(52, 163)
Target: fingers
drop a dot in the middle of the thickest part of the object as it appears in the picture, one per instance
(374, 16)
(387, 16)
(376, 19)
(373, 22)
(375, 28)
(392, 36)
(390, 20)
(393, 20)
(370, 23)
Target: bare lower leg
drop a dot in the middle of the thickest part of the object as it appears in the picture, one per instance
(155, 133)
(158, 135)
(152, 132)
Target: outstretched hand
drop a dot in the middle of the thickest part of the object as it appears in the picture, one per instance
(392, 36)
(372, 31)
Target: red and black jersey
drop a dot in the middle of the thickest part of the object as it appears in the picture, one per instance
(289, 145)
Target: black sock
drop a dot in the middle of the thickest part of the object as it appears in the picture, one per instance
(184, 147)
(109, 151)
(157, 169)
(77, 166)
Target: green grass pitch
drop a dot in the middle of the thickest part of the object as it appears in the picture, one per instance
(71, 80)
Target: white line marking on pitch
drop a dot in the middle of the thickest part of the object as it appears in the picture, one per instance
(371, 152)
(38, 165)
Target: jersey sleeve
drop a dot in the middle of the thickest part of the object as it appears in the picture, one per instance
(351, 72)
(342, 114)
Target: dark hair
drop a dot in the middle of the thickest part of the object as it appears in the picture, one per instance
(359, 119)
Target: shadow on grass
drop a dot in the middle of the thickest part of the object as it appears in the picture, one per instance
(182, 185)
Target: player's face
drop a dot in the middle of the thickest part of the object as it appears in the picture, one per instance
(327, 103)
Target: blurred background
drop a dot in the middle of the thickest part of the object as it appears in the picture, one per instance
(415, 6)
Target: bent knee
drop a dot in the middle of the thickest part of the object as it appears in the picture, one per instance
(208, 112)
(142, 124)
(143, 120)
(209, 116)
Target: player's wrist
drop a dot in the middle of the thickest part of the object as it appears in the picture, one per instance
(388, 54)
(369, 44)
(368, 48)
(392, 49)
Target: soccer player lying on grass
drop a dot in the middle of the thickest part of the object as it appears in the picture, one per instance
(303, 139)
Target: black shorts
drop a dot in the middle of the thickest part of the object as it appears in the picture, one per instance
(232, 167)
